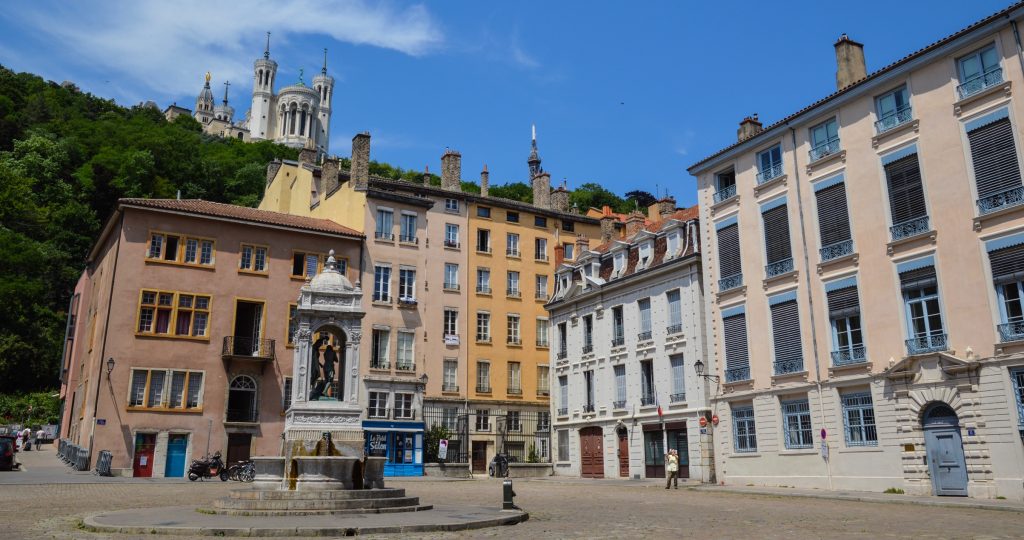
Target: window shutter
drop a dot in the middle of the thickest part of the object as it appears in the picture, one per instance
(729, 251)
(843, 303)
(1007, 264)
(918, 278)
(906, 196)
(786, 332)
(833, 218)
(735, 330)
(995, 158)
(776, 234)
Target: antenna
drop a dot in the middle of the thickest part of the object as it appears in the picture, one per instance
(266, 52)
(324, 70)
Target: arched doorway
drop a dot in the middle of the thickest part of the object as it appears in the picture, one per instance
(591, 452)
(945, 450)
(622, 434)
(242, 400)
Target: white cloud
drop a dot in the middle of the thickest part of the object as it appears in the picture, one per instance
(522, 58)
(164, 46)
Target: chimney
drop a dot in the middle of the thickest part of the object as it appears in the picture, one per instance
(451, 170)
(607, 224)
(582, 244)
(560, 199)
(272, 169)
(308, 153)
(634, 223)
(484, 177)
(542, 190)
(329, 175)
(661, 209)
(559, 254)
(426, 175)
(749, 127)
(850, 66)
(359, 169)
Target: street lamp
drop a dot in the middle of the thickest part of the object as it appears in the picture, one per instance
(698, 366)
(110, 366)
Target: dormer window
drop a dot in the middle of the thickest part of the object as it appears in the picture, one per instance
(672, 244)
(619, 264)
(563, 282)
(645, 255)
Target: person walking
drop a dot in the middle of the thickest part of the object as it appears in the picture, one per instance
(672, 467)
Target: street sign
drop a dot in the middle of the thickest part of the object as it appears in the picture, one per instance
(824, 449)
(442, 449)
(823, 433)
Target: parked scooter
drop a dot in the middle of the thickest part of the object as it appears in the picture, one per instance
(211, 467)
(243, 471)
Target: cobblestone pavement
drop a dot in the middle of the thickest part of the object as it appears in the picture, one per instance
(558, 509)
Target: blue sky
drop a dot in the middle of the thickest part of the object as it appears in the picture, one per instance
(626, 94)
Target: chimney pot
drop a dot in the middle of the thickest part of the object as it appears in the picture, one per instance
(484, 178)
(360, 166)
(451, 170)
(542, 190)
(850, 65)
(634, 223)
(749, 127)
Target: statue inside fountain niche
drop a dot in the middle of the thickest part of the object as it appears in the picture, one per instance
(316, 378)
(330, 358)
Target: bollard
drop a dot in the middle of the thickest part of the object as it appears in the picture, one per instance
(507, 503)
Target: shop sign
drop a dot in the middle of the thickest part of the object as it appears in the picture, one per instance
(378, 444)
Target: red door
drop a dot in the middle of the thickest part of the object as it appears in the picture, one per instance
(143, 462)
(623, 453)
(591, 453)
(479, 456)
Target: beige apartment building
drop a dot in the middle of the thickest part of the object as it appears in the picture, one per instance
(864, 261)
(183, 323)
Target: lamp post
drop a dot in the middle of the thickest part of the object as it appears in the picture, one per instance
(698, 366)
(110, 366)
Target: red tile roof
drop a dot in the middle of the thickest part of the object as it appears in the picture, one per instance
(855, 85)
(684, 214)
(243, 213)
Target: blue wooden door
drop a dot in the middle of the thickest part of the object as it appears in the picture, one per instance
(946, 460)
(176, 445)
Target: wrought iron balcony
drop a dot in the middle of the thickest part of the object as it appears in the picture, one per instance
(619, 404)
(449, 388)
(927, 343)
(824, 149)
(483, 289)
(542, 342)
(480, 338)
(405, 366)
(405, 414)
(589, 407)
(483, 249)
(1011, 331)
(678, 397)
(452, 244)
(729, 283)
(377, 412)
(563, 411)
(515, 390)
(513, 293)
(483, 389)
(1006, 199)
(243, 415)
(737, 374)
(451, 286)
(849, 356)
(513, 253)
(562, 355)
(644, 336)
(778, 268)
(788, 366)
(381, 235)
(647, 400)
(909, 228)
(674, 329)
(408, 239)
(541, 257)
(380, 364)
(618, 341)
(245, 347)
(541, 295)
(383, 298)
(834, 251)
(894, 119)
(513, 341)
(979, 83)
(724, 194)
(543, 392)
(769, 174)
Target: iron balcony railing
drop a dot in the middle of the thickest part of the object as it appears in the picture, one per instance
(515, 390)
(674, 329)
(483, 389)
(588, 348)
(409, 239)
(514, 293)
(729, 283)
(385, 298)
(927, 343)
(449, 388)
(514, 341)
(540, 257)
(452, 244)
(542, 342)
(543, 392)
(483, 249)
(377, 412)
(381, 235)
(1006, 199)
(451, 286)
(778, 268)
(480, 338)
(783, 367)
(979, 83)
(824, 149)
(405, 414)
(589, 407)
(737, 374)
(380, 364)
(618, 341)
(513, 253)
(243, 414)
(248, 347)
(644, 336)
(894, 119)
(725, 193)
(562, 355)
(483, 289)
(849, 356)
(909, 228)
(405, 366)
(541, 295)
(1011, 331)
(769, 174)
(678, 397)
(647, 399)
(563, 411)
(619, 404)
(834, 251)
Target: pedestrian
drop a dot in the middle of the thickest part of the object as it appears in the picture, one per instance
(40, 435)
(25, 443)
(672, 467)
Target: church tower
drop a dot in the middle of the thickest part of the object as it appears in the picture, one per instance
(261, 113)
(204, 103)
(534, 160)
(324, 86)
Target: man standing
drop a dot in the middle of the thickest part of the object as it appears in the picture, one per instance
(672, 467)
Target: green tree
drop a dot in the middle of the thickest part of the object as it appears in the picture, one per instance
(592, 195)
(516, 191)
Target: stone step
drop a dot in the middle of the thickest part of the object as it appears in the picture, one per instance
(314, 504)
(339, 494)
(235, 512)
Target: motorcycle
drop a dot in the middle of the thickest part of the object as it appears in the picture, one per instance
(211, 467)
(243, 471)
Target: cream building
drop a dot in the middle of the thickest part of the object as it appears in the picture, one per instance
(863, 258)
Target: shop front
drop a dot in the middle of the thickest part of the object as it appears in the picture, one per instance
(400, 442)
(654, 448)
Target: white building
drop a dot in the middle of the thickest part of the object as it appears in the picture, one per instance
(628, 326)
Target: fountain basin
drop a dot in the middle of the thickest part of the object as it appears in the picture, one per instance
(269, 472)
(319, 473)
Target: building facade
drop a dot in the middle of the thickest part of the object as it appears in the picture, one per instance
(862, 260)
(183, 331)
(627, 322)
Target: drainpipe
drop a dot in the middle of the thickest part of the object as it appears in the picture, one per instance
(106, 329)
(810, 298)
(1016, 39)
